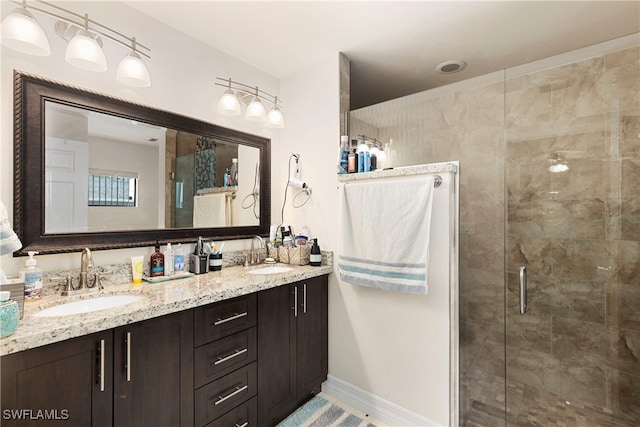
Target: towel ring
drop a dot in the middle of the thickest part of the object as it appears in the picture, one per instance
(306, 191)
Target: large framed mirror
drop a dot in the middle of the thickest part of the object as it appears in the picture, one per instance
(96, 171)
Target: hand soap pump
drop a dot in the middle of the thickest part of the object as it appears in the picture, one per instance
(31, 275)
(315, 258)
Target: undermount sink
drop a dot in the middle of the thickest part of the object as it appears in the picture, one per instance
(88, 305)
(272, 269)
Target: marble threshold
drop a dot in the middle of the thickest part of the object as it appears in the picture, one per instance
(161, 298)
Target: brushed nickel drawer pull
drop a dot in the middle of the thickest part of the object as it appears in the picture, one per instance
(228, 396)
(231, 356)
(243, 425)
(229, 319)
(295, 301)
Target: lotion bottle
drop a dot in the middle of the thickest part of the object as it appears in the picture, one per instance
(31, 276)
(178, 259)
(168, 261)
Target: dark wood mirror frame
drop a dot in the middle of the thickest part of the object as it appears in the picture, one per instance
(30, 94)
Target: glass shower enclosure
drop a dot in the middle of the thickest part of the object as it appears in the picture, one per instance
(549, 231)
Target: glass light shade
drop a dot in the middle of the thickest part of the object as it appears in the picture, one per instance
(374, 150)
(133, 72)
(21, 31)
(228, 105)
(255, 111)
(83, 51)
(275, 119)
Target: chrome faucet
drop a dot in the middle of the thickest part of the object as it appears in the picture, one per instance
(86, 261)
(255, 254)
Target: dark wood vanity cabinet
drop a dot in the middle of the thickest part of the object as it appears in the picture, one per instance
(135, 375)
(293, 349)
(246, 361)
(153, 372)
(67, 383)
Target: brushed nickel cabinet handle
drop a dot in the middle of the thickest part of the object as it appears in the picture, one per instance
(304, 299)
(231, 356)
(230, 395)
(242, 425)
(128, 360)
(102, 352)
(229, 319)
(295, 301)
(523, 290)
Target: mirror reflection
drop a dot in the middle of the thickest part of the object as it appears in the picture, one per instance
(105, 173)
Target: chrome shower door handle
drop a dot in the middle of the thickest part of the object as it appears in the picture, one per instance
(523, 290)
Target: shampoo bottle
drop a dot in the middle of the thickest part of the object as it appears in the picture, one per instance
(315, 259)
(156, 263)
(31, 275)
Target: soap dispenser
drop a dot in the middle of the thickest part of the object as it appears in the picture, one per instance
(31, 275)
(315, 259)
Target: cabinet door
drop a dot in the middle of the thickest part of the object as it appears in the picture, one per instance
(276, 354)
(153, 378)
(67, 383)
(312, 336)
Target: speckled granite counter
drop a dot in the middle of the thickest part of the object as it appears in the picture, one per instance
(161, 298)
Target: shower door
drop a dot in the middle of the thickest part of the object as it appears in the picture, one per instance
(572, 177)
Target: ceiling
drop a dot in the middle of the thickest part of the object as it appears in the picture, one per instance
(395, 46)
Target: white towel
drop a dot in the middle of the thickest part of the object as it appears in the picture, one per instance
(210, 210)
(384, 233)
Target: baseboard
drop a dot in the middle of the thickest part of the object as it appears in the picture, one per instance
(377, 407)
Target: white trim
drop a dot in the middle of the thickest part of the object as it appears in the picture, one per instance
(377, 407)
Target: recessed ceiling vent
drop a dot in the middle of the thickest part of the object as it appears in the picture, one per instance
(450, 67)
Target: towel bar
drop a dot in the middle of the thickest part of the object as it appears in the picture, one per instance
(437, 180)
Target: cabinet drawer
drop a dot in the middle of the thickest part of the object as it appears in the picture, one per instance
(225, 355)
(224, 318)
(245, 415)
(219, 397)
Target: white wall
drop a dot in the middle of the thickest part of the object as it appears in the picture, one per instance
(183, 72)
(370, 344)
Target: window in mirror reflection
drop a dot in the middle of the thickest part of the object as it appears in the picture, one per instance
(167, 178)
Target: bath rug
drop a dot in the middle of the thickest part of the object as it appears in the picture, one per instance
(319, 412)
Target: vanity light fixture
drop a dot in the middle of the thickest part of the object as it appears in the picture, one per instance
(377, 147)
(21, 31)
(84, 36)
(239, 94)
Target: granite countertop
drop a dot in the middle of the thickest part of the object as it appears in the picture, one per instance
(161, 298)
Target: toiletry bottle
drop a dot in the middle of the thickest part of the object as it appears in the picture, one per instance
(315, 259)
(156, 263)
(226, 178)
(31, 275)
(363, 157)
(178, 259)
(374, 161)
(352, 162)
(233, 177)
(344, 154)
(168, 261)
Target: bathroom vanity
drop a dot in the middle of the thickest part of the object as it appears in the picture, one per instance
(225, 348)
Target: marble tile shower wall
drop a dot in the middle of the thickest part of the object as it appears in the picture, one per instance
(466, 126)
(578, 231)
